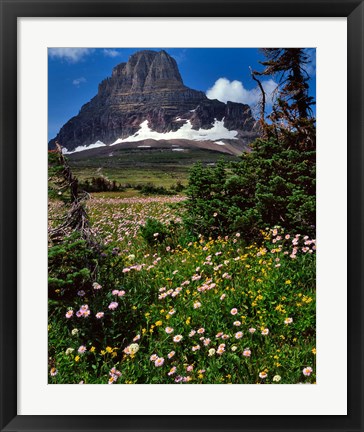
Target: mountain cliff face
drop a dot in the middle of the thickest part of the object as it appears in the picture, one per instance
(149, 88)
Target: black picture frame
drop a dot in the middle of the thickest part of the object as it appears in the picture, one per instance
(10, 11)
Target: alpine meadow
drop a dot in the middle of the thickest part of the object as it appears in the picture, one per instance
(182, 216)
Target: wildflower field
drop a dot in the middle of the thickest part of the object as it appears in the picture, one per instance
(156, 305)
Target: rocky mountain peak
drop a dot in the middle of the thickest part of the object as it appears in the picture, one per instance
(149, 87)
(147, 71)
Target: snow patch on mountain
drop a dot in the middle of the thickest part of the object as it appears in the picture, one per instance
(218, 131)
(85, 147)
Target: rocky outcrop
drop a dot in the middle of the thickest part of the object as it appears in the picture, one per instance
(149, 87)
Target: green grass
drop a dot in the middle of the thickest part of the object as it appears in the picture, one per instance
(136, 167)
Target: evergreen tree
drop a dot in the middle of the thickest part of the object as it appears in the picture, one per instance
(291, 117)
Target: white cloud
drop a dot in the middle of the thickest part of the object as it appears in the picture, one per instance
(72, 55)
(111, 53)
(79, 81)
(234, 91)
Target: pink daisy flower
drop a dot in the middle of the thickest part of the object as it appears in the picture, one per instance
(234, 311)
(172, 371)
(307, 371)
(69, 314)
(171, 354)
(221, 349)
(159, 362)
(113, 305)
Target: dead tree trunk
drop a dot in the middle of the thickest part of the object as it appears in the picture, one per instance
(77, 218)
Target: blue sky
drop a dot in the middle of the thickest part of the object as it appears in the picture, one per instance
(74, 75)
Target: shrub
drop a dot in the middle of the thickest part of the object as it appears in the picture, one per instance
(178, 187)
(150, 189)
(154, 232)
(70, 265)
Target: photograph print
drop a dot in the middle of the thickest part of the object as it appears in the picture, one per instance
(181, 216)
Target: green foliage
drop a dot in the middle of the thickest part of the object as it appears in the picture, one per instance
(151, 189)
(100, 184)
(273, 185)
(70, 266)
(178, 187)
(154, 232)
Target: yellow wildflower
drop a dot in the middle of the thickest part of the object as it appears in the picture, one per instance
(313, 351)
(92, 349)
(159, 323)
(77, 358)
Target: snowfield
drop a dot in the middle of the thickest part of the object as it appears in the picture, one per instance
(216, 133)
